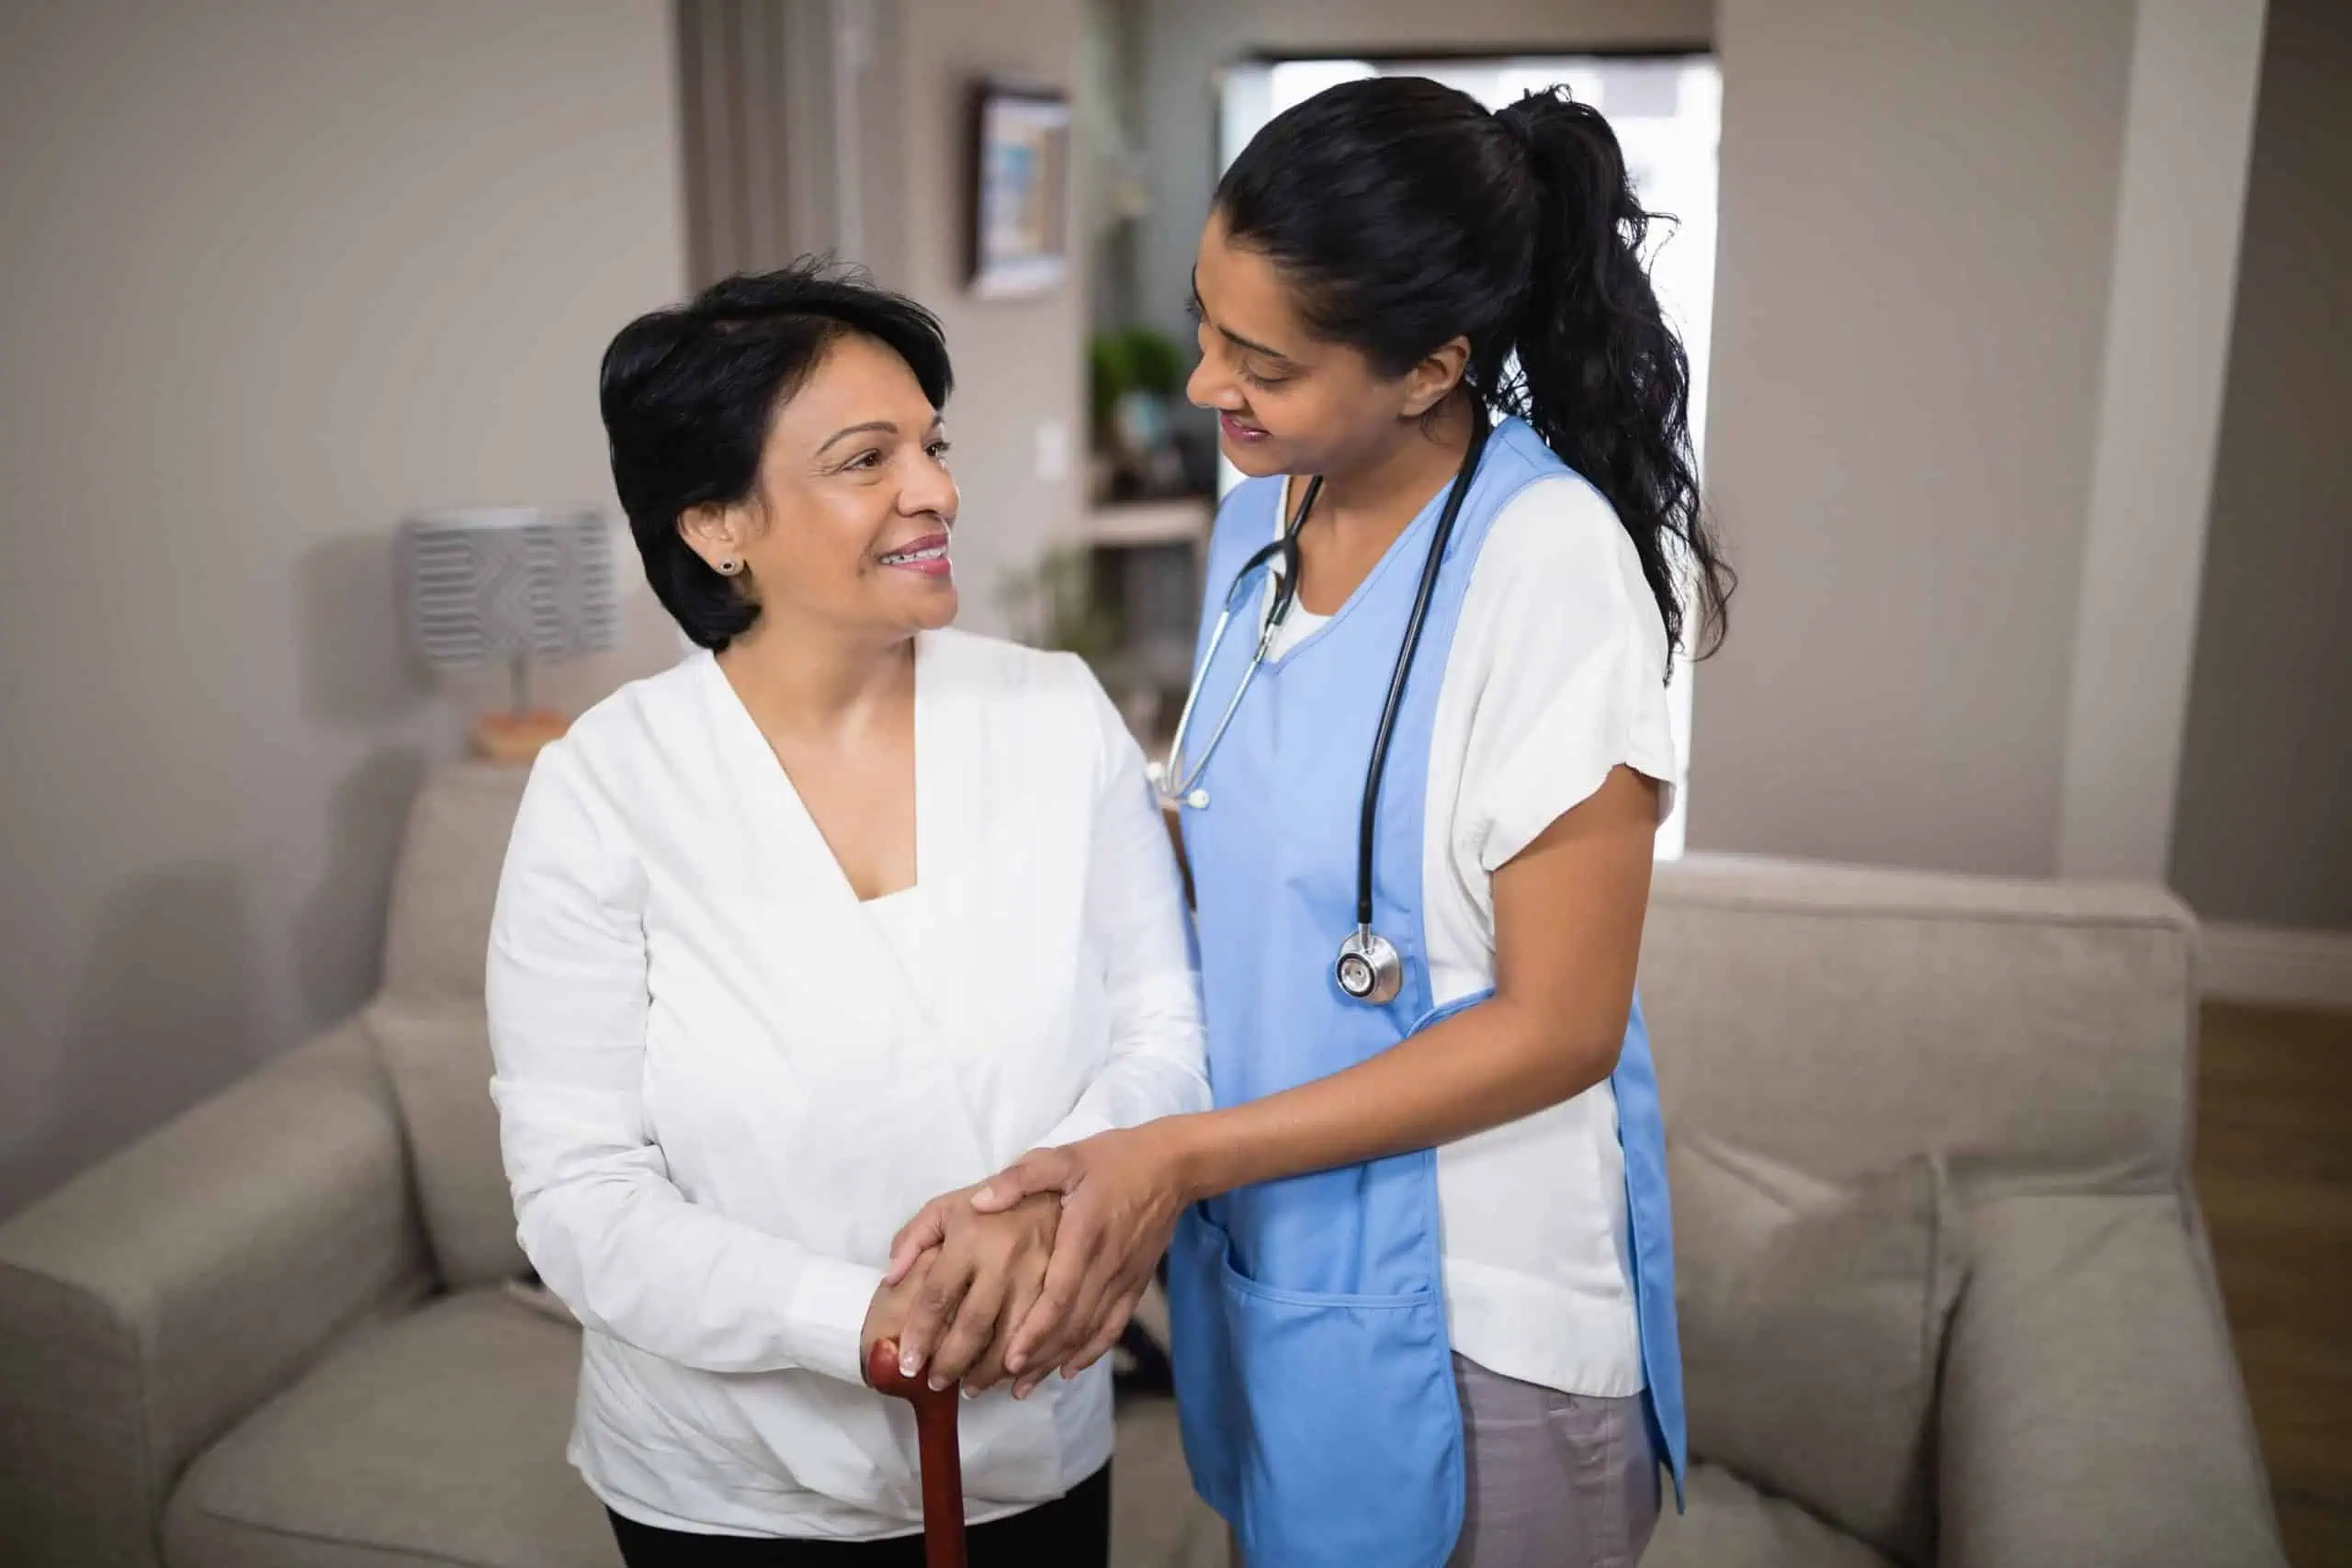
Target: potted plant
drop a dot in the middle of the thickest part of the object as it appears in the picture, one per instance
(1134, 375)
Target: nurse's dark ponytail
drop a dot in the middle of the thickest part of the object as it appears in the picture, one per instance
(1406, 215)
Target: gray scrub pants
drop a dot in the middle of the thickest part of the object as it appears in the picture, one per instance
(1556, 1480)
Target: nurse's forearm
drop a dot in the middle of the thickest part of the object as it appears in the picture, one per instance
(1485, 1066)
(1567, 936)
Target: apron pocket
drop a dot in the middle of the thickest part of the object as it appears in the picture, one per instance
(1331, 1433)
(1199, 1350)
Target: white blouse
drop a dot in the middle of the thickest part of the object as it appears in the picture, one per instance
(723, 1082)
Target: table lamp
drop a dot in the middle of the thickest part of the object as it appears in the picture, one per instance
(515, 584)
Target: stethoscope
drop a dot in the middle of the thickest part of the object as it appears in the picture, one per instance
(1369, 968)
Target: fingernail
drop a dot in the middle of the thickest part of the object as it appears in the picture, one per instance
(970, 1392)
(909, 1365)
(1014, 1363)
(937, 1382)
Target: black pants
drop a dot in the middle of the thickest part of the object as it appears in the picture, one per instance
(1074, 1532)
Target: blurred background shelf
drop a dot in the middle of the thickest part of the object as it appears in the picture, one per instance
(1128, 524)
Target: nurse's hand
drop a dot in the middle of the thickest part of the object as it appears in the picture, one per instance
(1121, 1193)
(978, 1283)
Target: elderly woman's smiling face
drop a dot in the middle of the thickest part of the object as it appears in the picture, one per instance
(849, 521)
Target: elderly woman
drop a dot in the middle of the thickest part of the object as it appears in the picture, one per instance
(844, 910)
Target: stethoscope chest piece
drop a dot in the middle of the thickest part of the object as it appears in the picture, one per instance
(1369, 968)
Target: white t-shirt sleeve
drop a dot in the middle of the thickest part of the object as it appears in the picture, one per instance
(1565, 657)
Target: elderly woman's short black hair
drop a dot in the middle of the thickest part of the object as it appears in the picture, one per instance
(688, 394)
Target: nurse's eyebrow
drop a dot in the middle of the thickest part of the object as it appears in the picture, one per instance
(1235, 339)
(871, 427)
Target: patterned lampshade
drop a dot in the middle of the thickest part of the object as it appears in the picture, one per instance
(514, 585)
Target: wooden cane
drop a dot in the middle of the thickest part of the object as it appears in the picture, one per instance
(935, 1445)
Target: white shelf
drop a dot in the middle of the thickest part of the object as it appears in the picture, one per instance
(1125, 525)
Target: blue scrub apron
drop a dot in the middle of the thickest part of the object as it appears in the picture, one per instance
(1314, 1372)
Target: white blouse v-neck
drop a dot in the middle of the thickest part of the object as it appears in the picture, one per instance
(897, 918)
(724, 1083)
(895, 913)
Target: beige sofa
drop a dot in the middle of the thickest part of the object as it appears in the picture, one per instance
(279, 1332)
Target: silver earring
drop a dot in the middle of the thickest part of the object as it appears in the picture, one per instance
(729, 565)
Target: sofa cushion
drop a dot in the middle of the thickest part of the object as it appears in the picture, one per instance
(1731, 1525)
(2091, 1409)
(436, 935)
(1845, 1019)
(437, 1055)
(438, 1439)
(1812, 1319)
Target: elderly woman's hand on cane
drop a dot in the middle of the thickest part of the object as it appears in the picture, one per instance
(977, 1284)
(982, 1275)
(1119, 1192)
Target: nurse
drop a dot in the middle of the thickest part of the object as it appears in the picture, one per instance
(1420, 1272)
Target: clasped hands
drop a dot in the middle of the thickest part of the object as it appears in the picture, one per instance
(1033, 1271)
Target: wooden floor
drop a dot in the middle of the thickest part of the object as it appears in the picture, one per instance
(2274, 1168)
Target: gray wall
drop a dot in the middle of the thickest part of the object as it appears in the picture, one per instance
(271, 275)
(1917, 219)
(2264, 828)
(2188, 140)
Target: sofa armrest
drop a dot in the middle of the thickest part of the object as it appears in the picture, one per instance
(151, 1301)
(2091, 1410)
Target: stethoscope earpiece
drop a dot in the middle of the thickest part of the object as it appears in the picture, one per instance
(1196, 797)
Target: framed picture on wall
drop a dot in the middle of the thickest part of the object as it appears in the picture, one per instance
(1020, 192)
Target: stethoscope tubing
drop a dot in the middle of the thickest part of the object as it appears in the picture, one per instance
(1368, 826)
(1286, 548)
(1180, 790)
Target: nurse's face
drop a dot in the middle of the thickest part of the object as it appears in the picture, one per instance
(848, 524)
(1285, 402)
